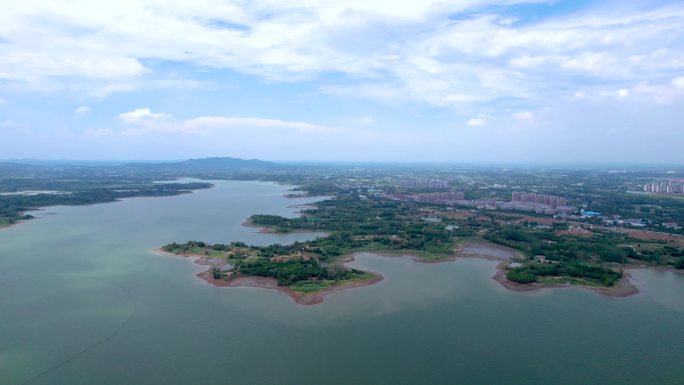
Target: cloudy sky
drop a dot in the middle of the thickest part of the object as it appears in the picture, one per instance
(360, 80)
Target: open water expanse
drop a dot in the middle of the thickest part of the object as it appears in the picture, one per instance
(83, 300)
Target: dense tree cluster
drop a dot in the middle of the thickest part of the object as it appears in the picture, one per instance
(596, 274)
(361, 223)
(293, 271)
(13, 206)
(357, 223)
(263, 261)
(562, 248)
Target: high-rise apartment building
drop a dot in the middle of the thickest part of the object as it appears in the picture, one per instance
(544, 199)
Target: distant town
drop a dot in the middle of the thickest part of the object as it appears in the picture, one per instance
(665, 187)
(537, 203)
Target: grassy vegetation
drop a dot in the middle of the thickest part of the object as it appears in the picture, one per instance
(357, 219)
(679, 265)
(369, 224)
(358, 223)
(312, 286)
(354, 224)
(568, 281)
(576, 272)
(296, 266)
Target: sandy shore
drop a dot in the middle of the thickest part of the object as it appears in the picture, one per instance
(302, 206)
(623, 288)
(309, 298)
(8, 225)
(469, 249)
(262, 230)
(657, 268)
(474, 248)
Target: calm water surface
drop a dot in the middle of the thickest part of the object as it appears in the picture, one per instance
(84, 301)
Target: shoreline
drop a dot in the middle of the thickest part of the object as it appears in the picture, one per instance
(8, 225)
(656, 268)
(41, 208)
(301, 298)
(623, 288)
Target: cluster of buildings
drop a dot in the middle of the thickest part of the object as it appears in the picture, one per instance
(616, 220)
(456, 198)
(551, 208)
(530, 202)
(423, 184)
(665, 186)
(440, 198)
(542, 199)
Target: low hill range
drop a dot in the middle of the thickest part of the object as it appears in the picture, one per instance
(221, 163)
(200, 164)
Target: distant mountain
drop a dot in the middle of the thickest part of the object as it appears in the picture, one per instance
(225, 163)
(202, 164)
(209, 164)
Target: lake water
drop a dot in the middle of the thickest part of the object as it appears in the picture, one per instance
(84, 301)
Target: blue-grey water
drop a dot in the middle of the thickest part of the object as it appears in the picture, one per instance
(84, 301)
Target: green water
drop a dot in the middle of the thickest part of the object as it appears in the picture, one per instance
(83, 301)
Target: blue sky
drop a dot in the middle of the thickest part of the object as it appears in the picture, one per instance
(455, 81)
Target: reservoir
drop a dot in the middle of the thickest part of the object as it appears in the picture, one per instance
(85, 300)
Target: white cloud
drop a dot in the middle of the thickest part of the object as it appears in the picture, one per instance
(397, 51)
(362, 119)
(523, 116)
(211, 125)
(580, 95)
(623, 93)
(205, 123)
(142, 115)
(659, 92)
(476, 122)
(10, 124)
(593, 62)
(663, 93)
(2, 101)
(678, 82)
(480, 119)
(83, 110)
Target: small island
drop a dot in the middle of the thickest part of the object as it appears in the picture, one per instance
(300, 270)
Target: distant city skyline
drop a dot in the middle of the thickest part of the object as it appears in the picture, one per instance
(470, 81)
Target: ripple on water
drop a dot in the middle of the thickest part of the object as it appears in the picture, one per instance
(49, 312)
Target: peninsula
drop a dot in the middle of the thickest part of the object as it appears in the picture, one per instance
(531, 258)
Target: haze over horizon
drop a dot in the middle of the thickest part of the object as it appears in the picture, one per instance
(414, 81)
